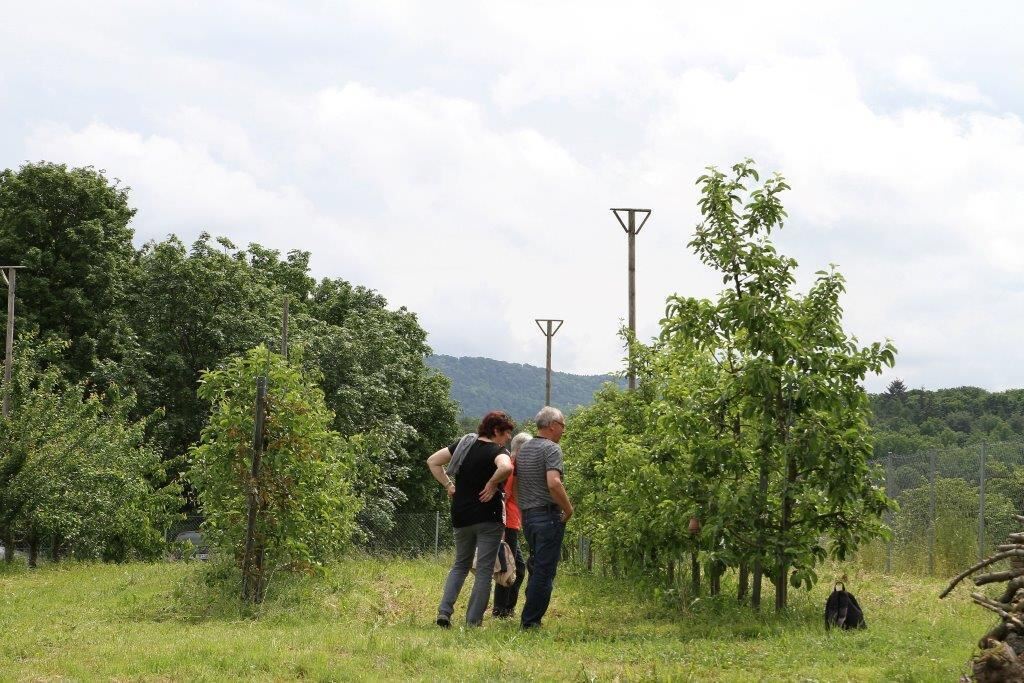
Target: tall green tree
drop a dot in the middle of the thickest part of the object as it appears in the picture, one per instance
(70, 228)
(196, 306)
(372, 362)
(193, 308)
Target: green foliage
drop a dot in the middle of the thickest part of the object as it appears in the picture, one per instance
(76, 469)
(922, 420)
(371, 361)
(481, 385)
(154, 320)
(751, 412)
(307, 507)
(69, 228)
(192, 309)
(197, 306)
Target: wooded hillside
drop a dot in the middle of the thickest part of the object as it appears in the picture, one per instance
(483, 384)
(911, 420)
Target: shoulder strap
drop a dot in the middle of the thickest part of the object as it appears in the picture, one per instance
(465, 443)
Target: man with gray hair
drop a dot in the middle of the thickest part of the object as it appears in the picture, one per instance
(545, 508)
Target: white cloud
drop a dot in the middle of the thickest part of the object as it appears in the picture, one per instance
(461, 157)
(917, 75)
(180, 188)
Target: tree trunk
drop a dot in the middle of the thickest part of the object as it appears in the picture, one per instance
(55, 549)
(716, 571)
(695, 573)
(33, 551)
(782, 581)
(671, 572)
(741, 592)
(781, 589)
(762, 489)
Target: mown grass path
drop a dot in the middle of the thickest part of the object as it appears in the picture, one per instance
(368, 619)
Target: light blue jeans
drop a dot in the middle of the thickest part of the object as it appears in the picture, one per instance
(484, 539)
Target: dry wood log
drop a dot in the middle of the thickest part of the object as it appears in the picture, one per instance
(1002, 648)
(1011, 589)
(997, 576)
(999, 632)
(984, 563)
(1007, 617)
(997, 664)
(990, 601)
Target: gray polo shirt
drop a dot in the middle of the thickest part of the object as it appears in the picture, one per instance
(535, 458)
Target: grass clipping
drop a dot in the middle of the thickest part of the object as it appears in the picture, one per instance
(1002, 649)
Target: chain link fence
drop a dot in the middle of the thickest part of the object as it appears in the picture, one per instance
(411, 535)
(414, 535)
(955, 506)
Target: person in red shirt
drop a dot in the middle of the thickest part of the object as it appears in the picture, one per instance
(505, 598)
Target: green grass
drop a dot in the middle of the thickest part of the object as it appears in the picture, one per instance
(368, 619)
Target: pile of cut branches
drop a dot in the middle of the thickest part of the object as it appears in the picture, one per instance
(1002, 648)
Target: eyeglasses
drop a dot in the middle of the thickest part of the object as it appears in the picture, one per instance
(559, 422)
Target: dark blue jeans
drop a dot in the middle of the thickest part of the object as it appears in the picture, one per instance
(544, 532)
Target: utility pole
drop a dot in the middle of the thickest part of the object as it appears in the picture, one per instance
(632, 230)
(9, 273)
(549, 333)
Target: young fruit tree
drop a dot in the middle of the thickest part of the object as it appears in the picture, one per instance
(790, 378)
(76, 471)
(748, 439)
(305, 505)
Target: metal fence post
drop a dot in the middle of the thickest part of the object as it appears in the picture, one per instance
(888, 493)
(981, 504)
(437, 534)
(931, 514)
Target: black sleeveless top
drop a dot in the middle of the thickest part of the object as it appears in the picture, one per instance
(477, 469)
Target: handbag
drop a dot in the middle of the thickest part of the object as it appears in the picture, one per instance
(504, 565)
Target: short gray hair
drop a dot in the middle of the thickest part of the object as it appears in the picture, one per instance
(547, 415)
(517, 442)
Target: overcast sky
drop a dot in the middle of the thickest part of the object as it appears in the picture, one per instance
(461, 158)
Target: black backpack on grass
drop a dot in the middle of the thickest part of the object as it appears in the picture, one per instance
(842, 610)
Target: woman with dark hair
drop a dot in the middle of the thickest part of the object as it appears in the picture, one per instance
(480, 463)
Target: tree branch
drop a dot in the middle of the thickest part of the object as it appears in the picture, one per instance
(984, 563)
(998, 576)
(989, 605)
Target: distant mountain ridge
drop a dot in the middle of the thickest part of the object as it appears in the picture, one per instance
(483, 384)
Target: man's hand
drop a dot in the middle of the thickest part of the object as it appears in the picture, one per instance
(565, 515)
(490, 489)
(450, 488)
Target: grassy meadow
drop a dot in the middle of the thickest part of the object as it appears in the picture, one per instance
(371, 619)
